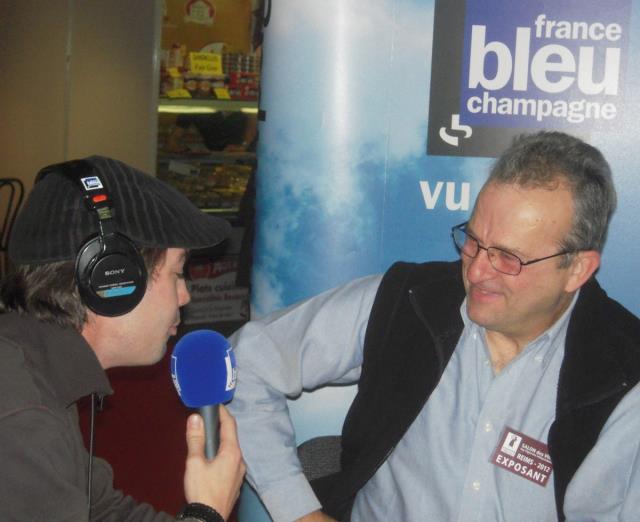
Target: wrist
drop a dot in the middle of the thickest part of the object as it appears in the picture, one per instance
(200, 512)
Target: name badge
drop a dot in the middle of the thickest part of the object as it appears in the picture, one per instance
(526, 457)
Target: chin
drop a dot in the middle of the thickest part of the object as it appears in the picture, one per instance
(156, 356)
(481, 316)
(163, 350)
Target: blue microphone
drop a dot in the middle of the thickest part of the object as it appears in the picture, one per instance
(203, 369)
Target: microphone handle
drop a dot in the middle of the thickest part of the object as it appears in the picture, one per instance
(209, 414)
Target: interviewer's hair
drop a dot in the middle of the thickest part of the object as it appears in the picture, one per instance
(548, 159)
(49, 293)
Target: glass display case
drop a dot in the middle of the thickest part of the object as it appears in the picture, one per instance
(207, 132)
(206, 149)
(209, 85)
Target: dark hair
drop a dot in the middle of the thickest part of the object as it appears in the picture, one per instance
(49, 293)
(547, 159)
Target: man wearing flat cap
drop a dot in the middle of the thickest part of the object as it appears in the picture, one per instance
(98, 252)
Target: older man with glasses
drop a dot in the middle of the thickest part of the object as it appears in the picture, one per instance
(500, 259)
(500, 387)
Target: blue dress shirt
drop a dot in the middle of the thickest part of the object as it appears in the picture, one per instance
(442, 469)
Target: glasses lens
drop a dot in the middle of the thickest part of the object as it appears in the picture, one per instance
(466, 244)
(504, 262)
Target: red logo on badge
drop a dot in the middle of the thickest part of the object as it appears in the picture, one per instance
(523, 456)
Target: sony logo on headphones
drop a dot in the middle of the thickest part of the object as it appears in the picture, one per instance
(115, 271)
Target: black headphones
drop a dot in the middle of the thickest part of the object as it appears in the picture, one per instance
(110, 272)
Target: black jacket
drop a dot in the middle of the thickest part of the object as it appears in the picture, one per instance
(413, 329)
(45, 370)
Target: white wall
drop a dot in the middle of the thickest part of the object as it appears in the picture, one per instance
(77, 77)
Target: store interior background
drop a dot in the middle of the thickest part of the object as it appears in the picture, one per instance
(85, 79)
(81, 77)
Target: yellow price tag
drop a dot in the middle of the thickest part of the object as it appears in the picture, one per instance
(222, 93)
(178, 93)
(174, 72)
(205, 64)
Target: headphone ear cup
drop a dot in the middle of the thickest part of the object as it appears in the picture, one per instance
(110, 274)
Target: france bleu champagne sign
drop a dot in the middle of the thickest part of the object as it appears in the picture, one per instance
(500, 68)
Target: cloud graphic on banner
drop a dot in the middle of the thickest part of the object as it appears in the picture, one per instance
(339, 107)
(356, 67)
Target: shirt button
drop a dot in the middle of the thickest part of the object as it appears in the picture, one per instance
(488, 427)
(476, 485)
(538, 358)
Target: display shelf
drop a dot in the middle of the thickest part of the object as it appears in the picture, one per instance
(210, 158)
(182, 105)
(213, 185)
(213, 179)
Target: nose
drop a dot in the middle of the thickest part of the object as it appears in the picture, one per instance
(184, 297)
(480, 268)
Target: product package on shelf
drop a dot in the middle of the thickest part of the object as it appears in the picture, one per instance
(208, 186)
(237, 78)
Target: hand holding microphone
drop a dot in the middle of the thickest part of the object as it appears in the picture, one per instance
(203, 371)
(216, 482)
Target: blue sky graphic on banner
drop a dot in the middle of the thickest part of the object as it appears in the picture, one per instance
(345, 125)
(352, 172)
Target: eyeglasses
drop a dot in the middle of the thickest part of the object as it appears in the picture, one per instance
(503, 261)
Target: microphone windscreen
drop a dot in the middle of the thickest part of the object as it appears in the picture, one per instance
(203, 369)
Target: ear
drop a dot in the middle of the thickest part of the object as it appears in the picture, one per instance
(583, 266)
(91, 327)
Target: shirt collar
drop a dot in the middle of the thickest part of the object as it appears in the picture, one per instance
(546, 342)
